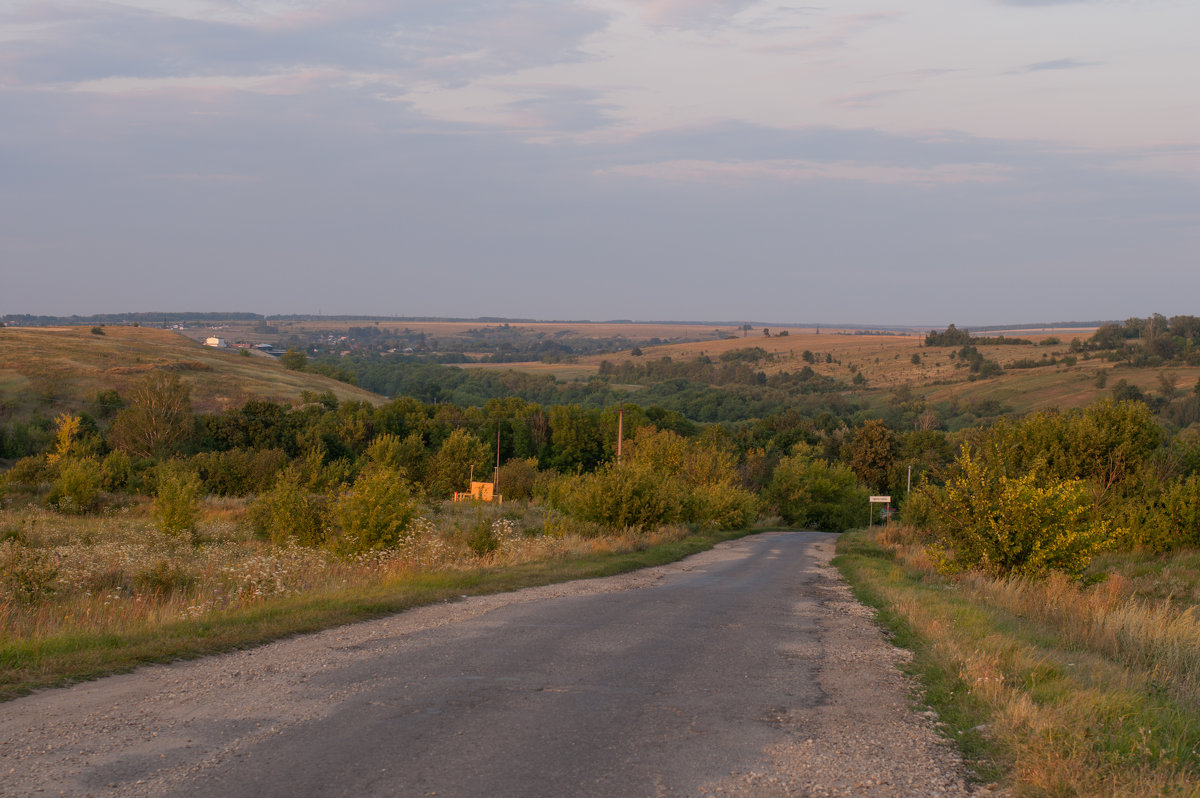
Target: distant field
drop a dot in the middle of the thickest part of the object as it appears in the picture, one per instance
(455, 329)
(1028, 390)
(65, 366)
(885, 360)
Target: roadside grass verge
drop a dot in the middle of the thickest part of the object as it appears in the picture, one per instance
(1050, 687)
(59, 654)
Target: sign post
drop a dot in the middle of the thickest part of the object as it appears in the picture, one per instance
(887, 500)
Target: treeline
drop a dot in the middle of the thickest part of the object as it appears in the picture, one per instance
(308, 468)
(1151, 341)
(731, 369)
(952, 336)
(729, 391)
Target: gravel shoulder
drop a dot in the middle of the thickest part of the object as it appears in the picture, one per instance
(163, 729)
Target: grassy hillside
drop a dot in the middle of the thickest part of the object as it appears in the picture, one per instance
(49, 369)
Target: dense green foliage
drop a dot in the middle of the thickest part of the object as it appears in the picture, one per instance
(813, 493)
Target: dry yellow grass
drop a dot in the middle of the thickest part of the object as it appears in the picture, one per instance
(67, 365)
(1083, 690)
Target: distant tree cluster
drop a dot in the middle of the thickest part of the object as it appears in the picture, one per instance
(952, 336)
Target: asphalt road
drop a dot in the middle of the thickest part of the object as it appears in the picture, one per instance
(687, 680)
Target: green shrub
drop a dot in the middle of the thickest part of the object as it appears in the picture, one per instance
(375, 511)
(1170, 520)
(518, 479)
(918, 509)
(116, 471)
(177, 500)
(77, 486)
(721, 506)
(814, 494)
(621, 496)
(29, 471)
(450, 467)
(481, 537)
(291, 512)
(1027, 525)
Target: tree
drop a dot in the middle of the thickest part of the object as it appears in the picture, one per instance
(294, 359)
(450, 469)
(870, 454)
(158, 419)
(815, 494)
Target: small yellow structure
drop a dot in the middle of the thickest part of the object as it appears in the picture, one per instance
(480, 491)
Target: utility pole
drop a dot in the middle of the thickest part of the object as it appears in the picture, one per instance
(909, 488)
(496, 476)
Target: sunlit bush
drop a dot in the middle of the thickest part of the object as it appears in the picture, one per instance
(77, 486)
(291, 511)
(1029, 524)
(375, 511)
(176, 499)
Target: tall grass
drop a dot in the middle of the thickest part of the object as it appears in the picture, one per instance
(1067, 688)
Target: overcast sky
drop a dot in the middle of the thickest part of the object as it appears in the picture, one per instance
(977, 161)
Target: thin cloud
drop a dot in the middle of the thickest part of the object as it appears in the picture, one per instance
(1059, 63)
(198, 178)
(1039, 3)
(865, 99)
(806, 171)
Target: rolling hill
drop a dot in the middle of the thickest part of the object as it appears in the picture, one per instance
(53, 369)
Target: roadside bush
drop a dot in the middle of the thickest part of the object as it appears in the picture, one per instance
(488, 535)
(1026, 525)
(620, 496)
(721, 506)
(375, 511)
(291, 511)
(77, 486)
(814, 494)
(919, 509)
(176, 499)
